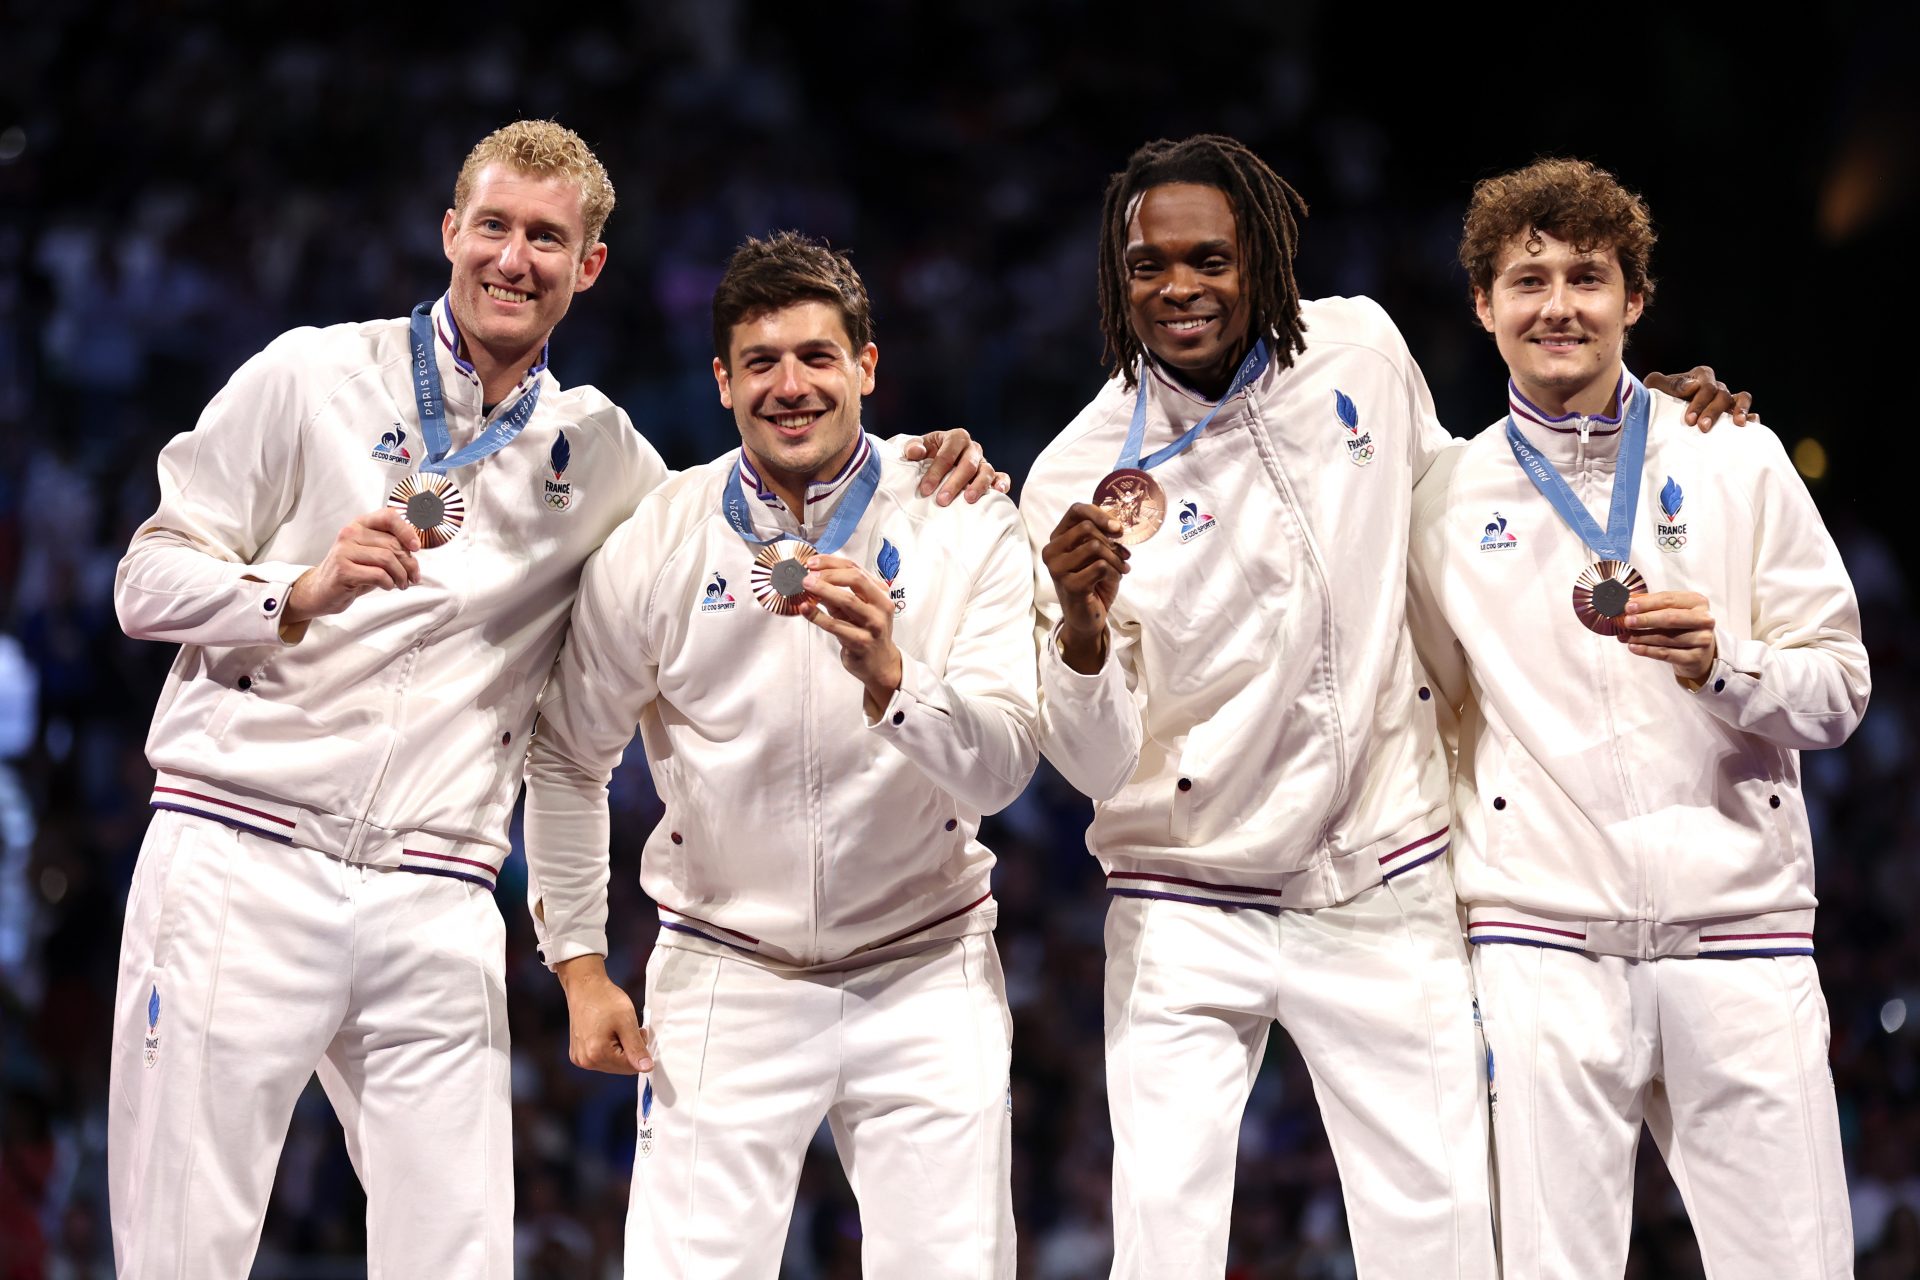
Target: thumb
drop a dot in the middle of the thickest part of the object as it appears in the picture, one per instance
(633, 1044)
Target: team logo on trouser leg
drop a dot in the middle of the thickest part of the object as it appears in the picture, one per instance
(152, 1052)
(644, 1146)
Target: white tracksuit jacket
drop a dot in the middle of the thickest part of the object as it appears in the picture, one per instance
(391, 733)
(1598, 804)
(1262, 734)
(796, 835)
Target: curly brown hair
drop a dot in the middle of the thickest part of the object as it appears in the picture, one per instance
(1266, 212)
(1570, 200)
(786, 268)
(542, 149)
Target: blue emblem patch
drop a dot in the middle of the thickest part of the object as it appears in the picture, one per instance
(1669, 534)
(559, 492)
(643, 1147)
(1359, 443)
(888, 563)
(150, 1053)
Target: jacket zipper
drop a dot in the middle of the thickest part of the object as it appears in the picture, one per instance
(1328, 675)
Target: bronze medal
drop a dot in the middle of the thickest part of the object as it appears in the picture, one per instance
(1601, 593)
(1134, 498)
(779, 572)
(432, 504)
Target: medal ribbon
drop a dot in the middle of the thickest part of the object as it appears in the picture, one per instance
(432, 404)
(853, 505)
(1616, 540)
(1250, 368)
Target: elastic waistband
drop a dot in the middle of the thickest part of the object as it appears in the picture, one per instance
(692, 933)
(357, 842)
(1327, 882)
(1776, 933)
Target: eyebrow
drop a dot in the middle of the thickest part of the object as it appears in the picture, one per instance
(1204, 246)
(537, 224)
(807, 347)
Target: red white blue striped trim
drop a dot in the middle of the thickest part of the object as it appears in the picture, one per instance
(818, 491)
(1531, 935)
(680, 922)
(201, 805)
(1203, 893)
(1417, 853)
(1598, 424)
(427, 863)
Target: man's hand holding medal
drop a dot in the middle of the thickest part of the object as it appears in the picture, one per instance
(1085, 558)
(853, 607)
(1674, 627)
(373, 550)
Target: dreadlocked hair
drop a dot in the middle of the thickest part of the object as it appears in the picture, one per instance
(1266, 214)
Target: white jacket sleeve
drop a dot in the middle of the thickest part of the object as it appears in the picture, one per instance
(606, 674)
(1802, 681)
(191, 574)
(1089, 726)
(972, 731)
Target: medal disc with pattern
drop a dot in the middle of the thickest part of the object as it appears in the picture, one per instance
(1601, 593)
(1135, 499)
(432, 504)
(778, 572)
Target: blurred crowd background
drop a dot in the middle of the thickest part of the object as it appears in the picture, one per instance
(180, 181)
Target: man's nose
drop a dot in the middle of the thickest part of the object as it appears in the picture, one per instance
(788, 384)
(514, 253)
(1183, 284)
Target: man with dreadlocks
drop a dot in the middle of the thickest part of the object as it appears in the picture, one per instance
(1250, 719)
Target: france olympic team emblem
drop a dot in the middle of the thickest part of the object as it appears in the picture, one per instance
(559, 490)
(644, 1147)
(1193, 521)
(1359, 443)
(888, 565)
(716, 598)
(1495, 536)
(1669, 534)
(152, 1054)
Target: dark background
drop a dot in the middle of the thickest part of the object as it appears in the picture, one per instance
(181, 181)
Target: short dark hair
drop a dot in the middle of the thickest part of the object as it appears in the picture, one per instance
(765, 276)
(1570, 200)
(1266, 214)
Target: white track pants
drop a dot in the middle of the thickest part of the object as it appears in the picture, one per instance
(1725, 1061)
(906, 1059)
(245, 965)
(1375, 992)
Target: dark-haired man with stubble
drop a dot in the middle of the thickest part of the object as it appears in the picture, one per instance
(1225, 669)
(833, 678)
(1638, 628)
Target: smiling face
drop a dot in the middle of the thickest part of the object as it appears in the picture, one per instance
(794, 380)
(1182, 266)
(519, 254)
(1560, 318)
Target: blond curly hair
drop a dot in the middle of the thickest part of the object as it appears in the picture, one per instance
(542, 149)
